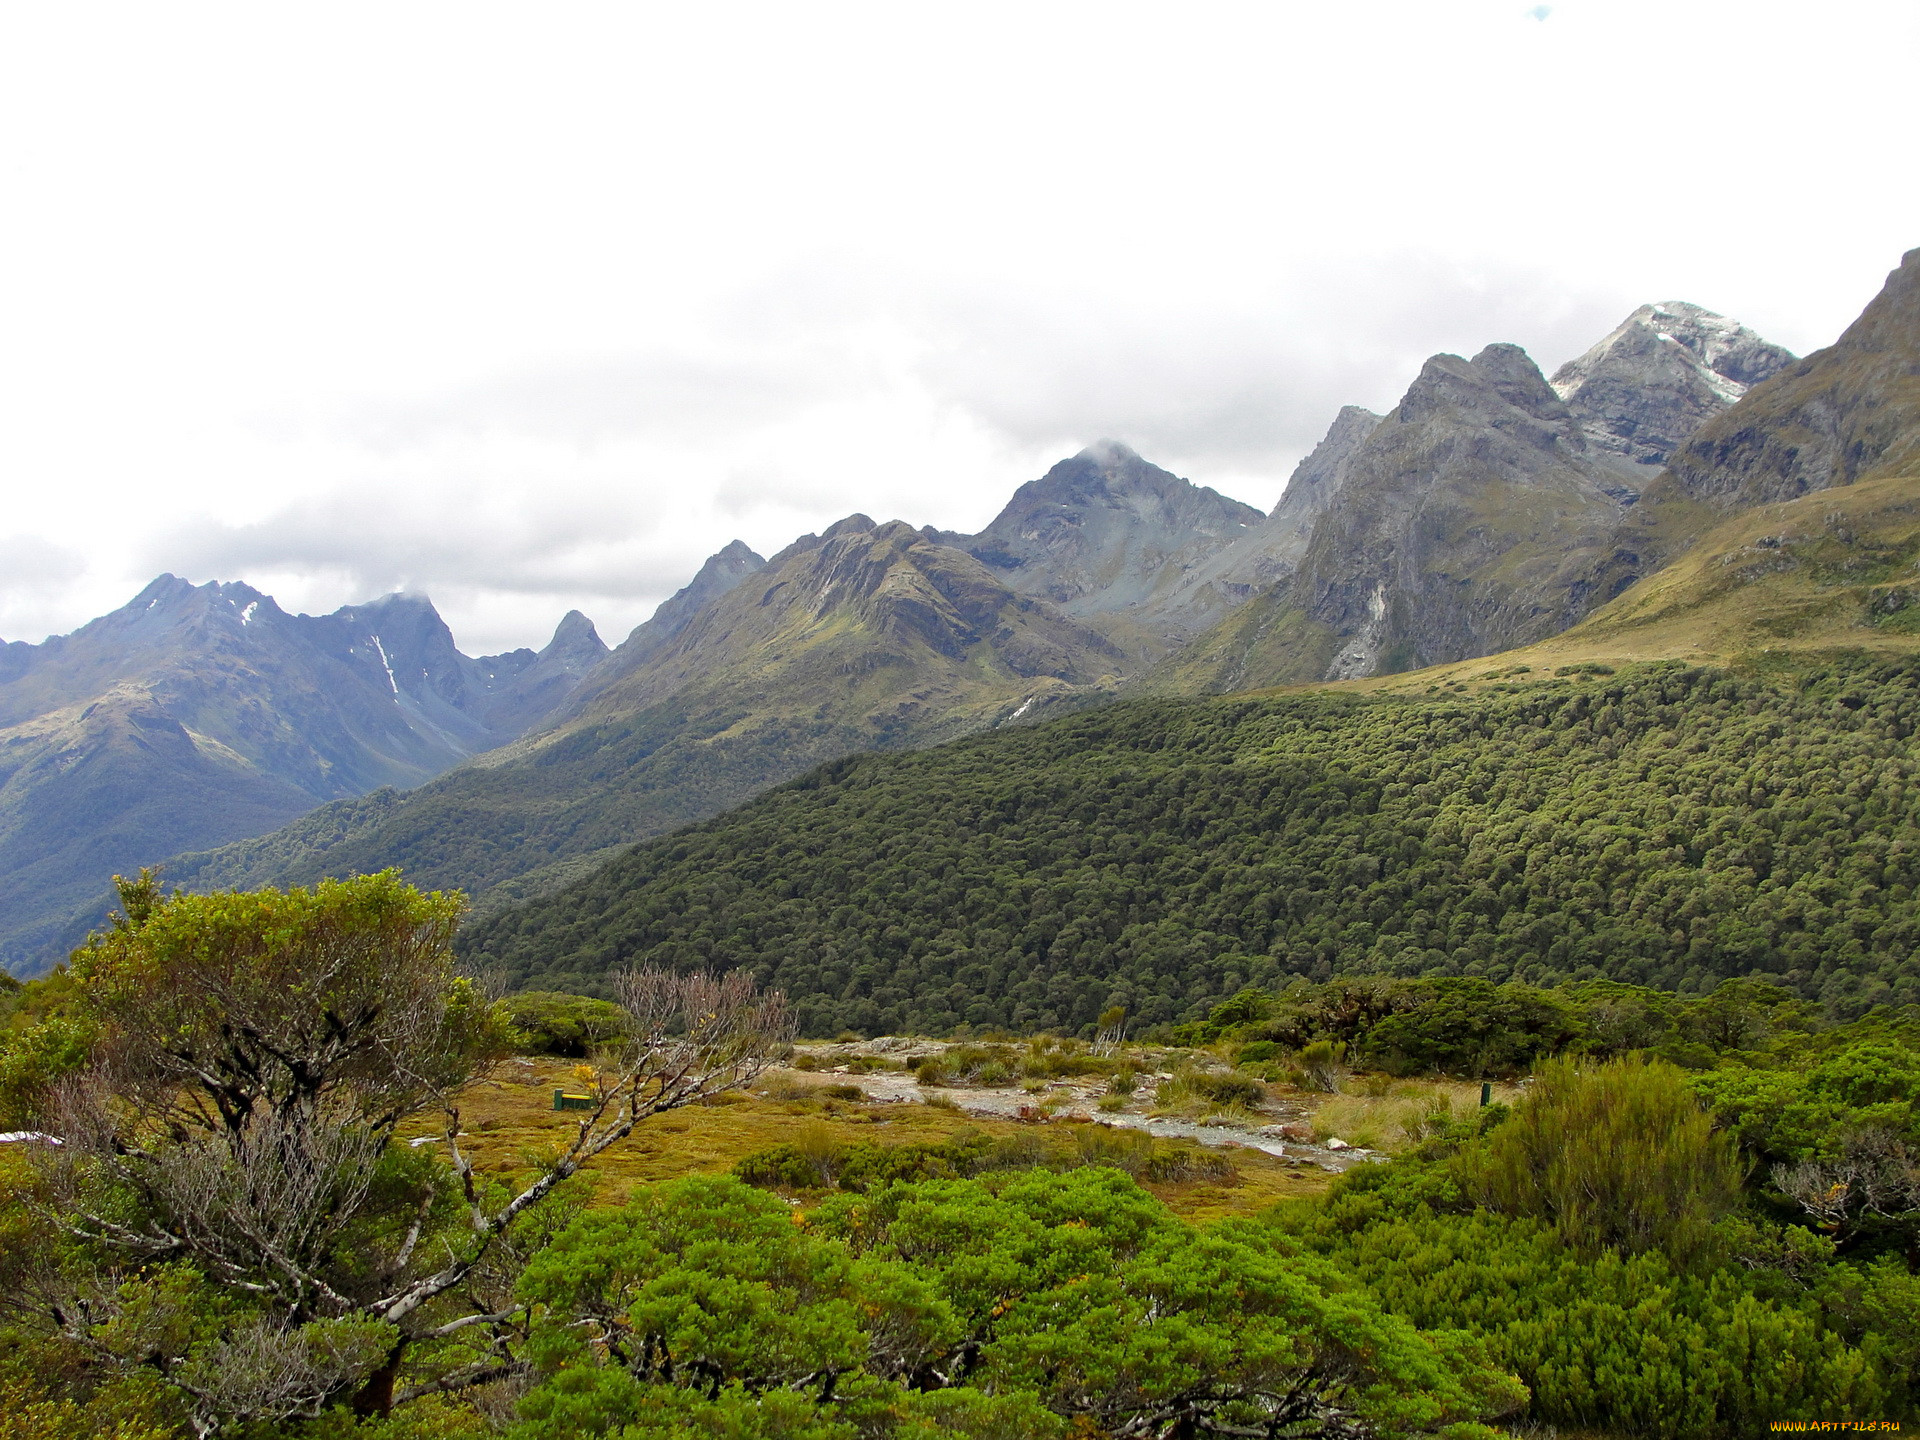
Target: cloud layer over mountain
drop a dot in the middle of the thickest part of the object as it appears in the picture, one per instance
(533, 313)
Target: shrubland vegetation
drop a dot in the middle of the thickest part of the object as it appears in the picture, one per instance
(1702, 1214)
(1601, 1244)
(1662, 826)
(816, 1162)
(1468, 1026)
(1671, 911)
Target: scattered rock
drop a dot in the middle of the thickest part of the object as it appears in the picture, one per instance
(1336, 1143)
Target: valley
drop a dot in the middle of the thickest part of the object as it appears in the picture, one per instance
(1498, 510)
(1435, 959)
(953, 722)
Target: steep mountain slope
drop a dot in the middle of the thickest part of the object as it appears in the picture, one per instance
(1848, 412)
(722, 571)
(1663, 372)
(1472, 518)
(1270, 551)
(1110, 539)
(868, 636)
(197, 714)
(1667, 826)
(1835, 571)
(1484, 512)
(1489, 510)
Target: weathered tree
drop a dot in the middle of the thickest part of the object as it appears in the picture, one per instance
(1873, 1181)
(257, 1054)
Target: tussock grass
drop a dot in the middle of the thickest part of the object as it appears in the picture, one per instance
(1400, 1113)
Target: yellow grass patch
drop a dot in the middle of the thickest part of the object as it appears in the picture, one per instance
(508, 1121)
(1381, 1121)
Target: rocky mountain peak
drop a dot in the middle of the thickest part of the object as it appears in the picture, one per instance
(575, 635)
(1432, 550)
(1891, 321)
(1511, 374)
(1316, 479)
(721, 571)
(1845, 413)
(1660, 374)
(1109, 474)
(1724, 346)
(1500, 387)
(854, 524)
(1106, 533)
(524, 688)
(169, 606)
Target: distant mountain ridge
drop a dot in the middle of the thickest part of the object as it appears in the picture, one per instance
(1105, 570)
(1109, 539)
(867, 636)
(195, 715)
(1491, 508)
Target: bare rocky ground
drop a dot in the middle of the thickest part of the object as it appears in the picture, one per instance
(1281, 1126)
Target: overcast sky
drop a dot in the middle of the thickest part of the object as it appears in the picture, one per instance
(531, 307)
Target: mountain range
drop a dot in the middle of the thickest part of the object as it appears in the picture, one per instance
(1492, 508)
(194, 715)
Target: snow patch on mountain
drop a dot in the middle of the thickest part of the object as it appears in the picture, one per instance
(1659, 375)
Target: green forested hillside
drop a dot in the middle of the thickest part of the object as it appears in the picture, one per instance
(1665, 825)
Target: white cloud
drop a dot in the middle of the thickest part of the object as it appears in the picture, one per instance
(536, 308)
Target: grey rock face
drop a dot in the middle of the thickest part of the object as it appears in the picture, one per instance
(1488, 510)
(1464, 523)
(1316, 480)
(1659, 375)
(1845, 413)
(1267, 553)
(1109, 539)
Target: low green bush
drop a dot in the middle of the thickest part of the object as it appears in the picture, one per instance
(568, 1025)
(823, 1163)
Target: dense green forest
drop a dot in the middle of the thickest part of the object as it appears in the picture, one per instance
(1667, 826)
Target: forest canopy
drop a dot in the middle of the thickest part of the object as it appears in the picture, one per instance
(1665, 826)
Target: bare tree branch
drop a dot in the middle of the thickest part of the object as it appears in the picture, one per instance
(690, 1037)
